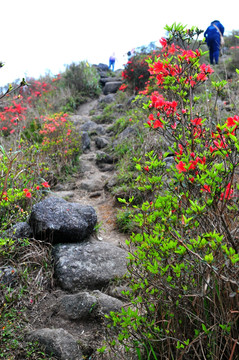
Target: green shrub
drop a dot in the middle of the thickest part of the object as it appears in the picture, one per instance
(83, 80)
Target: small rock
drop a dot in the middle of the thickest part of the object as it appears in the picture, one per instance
(85, 141)
(57, 342)
(101, 142)
(107, 303)
(77, 306)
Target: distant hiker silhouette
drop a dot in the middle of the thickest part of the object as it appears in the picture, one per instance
(130, 54)
(112, 62)
(214, 40)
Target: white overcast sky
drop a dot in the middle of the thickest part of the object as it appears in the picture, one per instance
(43, 36)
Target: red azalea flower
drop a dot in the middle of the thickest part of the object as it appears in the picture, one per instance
(157, 124)
(123, 87)
(228, 193)
(151, 117)
(197, 121)
(201, 77)
(146, 168)
(45, 184)
(193, 164)
(206, 188)
(163, 42)
(181, 166)
(180, 150)
(232, 121)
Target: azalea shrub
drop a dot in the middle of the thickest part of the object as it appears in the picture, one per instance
(135, 74)
(61, 143)
(21, 184)
(36, 149)
(183, 258)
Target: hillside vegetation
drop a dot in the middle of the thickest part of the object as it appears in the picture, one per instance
(177, 181)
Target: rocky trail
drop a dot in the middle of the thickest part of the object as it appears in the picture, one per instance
(68, 319)
(88, 187)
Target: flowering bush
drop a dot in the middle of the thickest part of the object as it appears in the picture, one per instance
(36, 147)
(136, 73)
(21, 184)
(60, 144)
(183, 259)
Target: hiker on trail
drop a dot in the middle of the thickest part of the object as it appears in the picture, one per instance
(214, 40)
(112, 62)
(130, 54)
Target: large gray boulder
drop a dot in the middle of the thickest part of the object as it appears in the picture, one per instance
(57, 342)
(102, 67)
(59, 221)
(111, 87)
(88, 265)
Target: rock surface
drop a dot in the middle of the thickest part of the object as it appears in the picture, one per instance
(88, 265)
(59, 221)
(59, 342)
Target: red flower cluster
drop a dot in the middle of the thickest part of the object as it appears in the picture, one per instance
(163, 69)
(27, 193)
(123, 87)
(228, 194)
(165, 110)
(183, 167)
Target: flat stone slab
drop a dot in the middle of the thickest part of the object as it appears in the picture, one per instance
(88, 265)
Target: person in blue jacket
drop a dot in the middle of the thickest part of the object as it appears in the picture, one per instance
(112, 61)
(213, 36)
